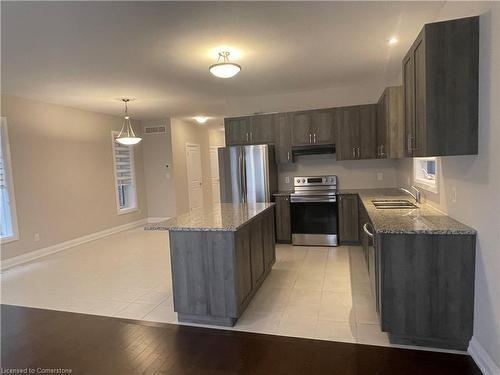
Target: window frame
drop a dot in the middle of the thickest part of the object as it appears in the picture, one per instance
(135, 208)
(423, 183)
(9, 177)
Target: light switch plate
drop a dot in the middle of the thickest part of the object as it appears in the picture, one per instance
(287, 179)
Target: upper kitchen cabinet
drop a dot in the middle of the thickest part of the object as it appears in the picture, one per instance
(249, 130)
(283, 138)
(312, 127)
(262, 129)
(237, 130)
(440, 88)
(390, 124)
(356, 128)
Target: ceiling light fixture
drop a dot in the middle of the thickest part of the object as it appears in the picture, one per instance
(392, 40)
(201, 119)
(224, 68)
(127, 135)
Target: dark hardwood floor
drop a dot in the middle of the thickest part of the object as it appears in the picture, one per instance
(87, 344)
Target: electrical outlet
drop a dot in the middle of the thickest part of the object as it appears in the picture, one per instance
(380, 176)
(36, 237)
(454, 194)
(287, 179)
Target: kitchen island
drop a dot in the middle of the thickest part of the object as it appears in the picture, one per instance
(219, 259)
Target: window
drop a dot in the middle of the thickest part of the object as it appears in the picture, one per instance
(123, 157)
(425, 173)
(8, 219)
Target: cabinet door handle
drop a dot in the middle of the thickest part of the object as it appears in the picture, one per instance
(310, 138)
(382, 150)
(314, 137)
(251, 136)
(358, 152)
(247, 137)
(288, 155)
(354, 152)
(378, 150)
(409, 144)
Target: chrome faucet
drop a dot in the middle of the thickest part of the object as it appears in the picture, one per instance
(416, 195)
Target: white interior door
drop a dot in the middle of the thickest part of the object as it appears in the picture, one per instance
(195, 183)
(214, 174)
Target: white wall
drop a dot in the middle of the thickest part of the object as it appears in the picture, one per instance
(325, 98)
(158, 173)
(184, 132)
(352, 174)
(62, 164)
(476, 180)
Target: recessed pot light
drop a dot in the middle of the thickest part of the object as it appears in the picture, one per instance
(392, 40)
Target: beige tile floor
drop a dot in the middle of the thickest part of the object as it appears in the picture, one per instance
(312, 292)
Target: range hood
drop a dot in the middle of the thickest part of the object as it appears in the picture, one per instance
(312, 150)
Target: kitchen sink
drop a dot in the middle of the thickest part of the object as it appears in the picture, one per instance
(393, 203)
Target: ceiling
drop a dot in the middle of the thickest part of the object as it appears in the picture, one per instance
(89, 54)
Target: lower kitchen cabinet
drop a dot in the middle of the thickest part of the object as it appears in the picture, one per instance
(283, 222)
(427, 288)
(348, 219)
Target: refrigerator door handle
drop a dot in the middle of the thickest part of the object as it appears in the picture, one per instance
(244, 177)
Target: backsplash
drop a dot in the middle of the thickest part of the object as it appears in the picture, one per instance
(351, 173)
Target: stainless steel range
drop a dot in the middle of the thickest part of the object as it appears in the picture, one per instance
(314, 211)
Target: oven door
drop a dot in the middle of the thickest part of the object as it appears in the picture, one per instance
(314, 221)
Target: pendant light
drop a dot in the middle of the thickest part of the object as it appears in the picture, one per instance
(127, 135)
(224, 68)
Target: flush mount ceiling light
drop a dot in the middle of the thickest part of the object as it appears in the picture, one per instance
(224, 68)
(127, 135)
(201, 119)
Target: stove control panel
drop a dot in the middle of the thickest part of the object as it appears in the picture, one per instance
(315, 181)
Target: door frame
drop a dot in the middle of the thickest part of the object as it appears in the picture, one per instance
(188, 171)
(214, 149)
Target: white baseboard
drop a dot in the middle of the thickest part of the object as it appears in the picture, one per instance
(482, 358)
(152, 220)
(32, 255)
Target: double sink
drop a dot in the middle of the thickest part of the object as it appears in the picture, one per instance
(393, 203)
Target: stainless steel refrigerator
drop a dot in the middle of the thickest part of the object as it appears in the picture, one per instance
(247, 174)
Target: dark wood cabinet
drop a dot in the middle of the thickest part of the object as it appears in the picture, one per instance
(269, 241)
(262, 130)
(356, 128)
(313, 127)
(301, 128)
(348, 219)
(242, 262)
(283, 139)
(236, 130)
(390, 124)
(250, 130)
(440, 79)
(427, 288)
(323, 126)
(283, 223)
(257, 250)
(367, 144)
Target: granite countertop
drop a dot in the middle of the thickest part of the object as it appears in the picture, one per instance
(425, 219)
(221, 217)
(283, 193)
